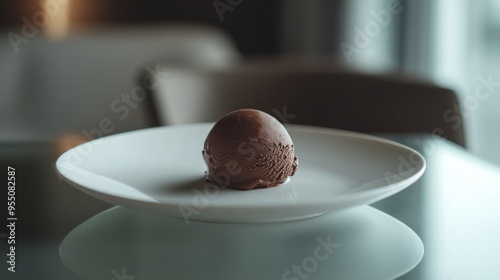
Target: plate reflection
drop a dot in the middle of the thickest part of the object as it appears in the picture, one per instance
(358, 243)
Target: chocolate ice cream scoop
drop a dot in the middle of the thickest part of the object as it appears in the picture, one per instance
(249, 149)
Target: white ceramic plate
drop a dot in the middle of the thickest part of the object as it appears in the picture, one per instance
(162, 170)
(356, 244)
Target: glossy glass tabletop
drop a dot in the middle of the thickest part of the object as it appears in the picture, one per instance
(453, 209)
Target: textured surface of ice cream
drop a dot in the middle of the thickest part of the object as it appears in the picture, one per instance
(249, 149)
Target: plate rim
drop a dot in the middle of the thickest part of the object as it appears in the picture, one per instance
(385, 191)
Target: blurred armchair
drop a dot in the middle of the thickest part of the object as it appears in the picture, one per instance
(309, 93)
(72, 84)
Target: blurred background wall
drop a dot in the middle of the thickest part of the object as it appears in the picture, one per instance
(89, 53)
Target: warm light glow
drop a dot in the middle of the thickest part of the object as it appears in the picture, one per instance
(58, 12)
